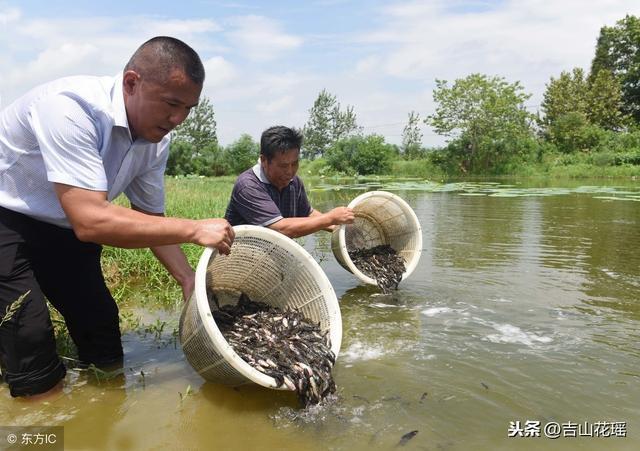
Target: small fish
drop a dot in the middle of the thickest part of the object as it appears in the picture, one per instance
(361, 398)
(484, 385)
(423, 397)
(406, 437)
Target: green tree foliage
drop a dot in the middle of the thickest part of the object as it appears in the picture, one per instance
(327, 124)
(605, 103)
(361, 155)
(484, 115)
(412, 137)
(194, 144)
(185, 159)
(242, 154)
(597, 98)
(573, 132)
(576, 109)
(618, 51)
(566, 94)
(199, 128)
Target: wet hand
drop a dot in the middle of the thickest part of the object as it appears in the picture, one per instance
(216, 233)
(342, 215)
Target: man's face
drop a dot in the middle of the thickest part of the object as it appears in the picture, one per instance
(154, 109)
(282, 167)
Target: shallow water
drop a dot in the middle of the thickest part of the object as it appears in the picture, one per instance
(525, 307)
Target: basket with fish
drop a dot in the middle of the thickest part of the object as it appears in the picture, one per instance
(383, 245)
(265, 314)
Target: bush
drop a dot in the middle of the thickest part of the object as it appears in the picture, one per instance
(361, 155)
(185, 159)
(318, 166)
(423, 168)
(572, 132)
(241, 154)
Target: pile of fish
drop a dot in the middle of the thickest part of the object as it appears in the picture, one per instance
(282, 344)
(381, 263)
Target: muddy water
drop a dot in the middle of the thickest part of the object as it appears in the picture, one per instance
(525, 307)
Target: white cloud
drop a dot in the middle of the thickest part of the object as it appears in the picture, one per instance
(54, 62)
(179, 27)
(275, 105)
(261, 39)
(524, 39)
(218, 72)
(9, 15)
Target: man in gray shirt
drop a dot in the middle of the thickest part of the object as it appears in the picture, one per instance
(270, 194)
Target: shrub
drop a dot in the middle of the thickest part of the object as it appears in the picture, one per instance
(241, 154)
(361, 155)
(572, 132)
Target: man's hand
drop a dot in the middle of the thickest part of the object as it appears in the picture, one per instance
(216, 233)
(342, 215)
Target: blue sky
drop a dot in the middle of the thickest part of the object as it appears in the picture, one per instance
(267, 61)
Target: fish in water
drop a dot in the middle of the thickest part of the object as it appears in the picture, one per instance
(381, 263)
(282, 344)
(406, 437)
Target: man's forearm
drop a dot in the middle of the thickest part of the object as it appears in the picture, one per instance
(174, 259)
(95, 219)
(123, 227)
(296, 227)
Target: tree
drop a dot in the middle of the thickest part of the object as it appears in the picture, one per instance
(327, 124)
(569, 93)
(618, 51)
(412, 137)
(361, 155)
(194, 143)
(604, 103)
(577, 108)
(185, 159)
(199, 128)
(242, 154)
(484, 114)
(573, 132)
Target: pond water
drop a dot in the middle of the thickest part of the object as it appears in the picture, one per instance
(522, 317)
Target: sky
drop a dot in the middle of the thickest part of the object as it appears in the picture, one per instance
(266, 62)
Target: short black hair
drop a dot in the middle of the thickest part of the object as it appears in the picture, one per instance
(159, 56)
(279, 139)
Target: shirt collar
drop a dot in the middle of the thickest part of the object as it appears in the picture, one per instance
(259, 172)
(117, 103)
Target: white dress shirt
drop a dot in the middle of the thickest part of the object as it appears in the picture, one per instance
(74, 131)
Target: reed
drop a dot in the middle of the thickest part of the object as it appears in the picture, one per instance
(13, 308)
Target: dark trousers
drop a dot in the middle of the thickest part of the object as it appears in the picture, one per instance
(50, 261)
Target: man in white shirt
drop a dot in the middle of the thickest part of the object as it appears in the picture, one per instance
(67, 148)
